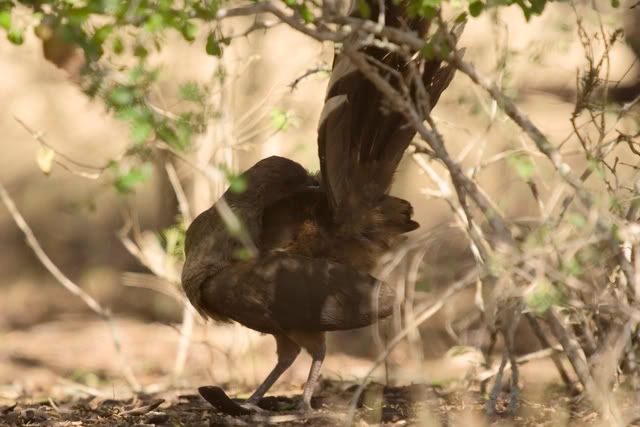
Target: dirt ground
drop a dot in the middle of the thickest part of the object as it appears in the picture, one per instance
(379, 405)
(67, 372)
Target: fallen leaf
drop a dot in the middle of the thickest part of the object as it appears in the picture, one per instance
(45, 157)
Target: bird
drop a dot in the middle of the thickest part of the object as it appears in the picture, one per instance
(315, 238)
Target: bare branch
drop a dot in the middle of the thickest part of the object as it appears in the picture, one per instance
(69, 285)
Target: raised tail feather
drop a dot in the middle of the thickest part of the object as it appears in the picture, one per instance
(360, 141)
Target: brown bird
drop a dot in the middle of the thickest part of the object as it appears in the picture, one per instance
(317, 237)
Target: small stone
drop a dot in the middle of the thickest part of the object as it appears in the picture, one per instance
(28, 413)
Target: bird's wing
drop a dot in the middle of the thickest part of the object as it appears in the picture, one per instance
(361, 142)
(283, 292)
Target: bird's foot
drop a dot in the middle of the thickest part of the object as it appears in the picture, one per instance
(304, 407)
(219, 400)
(512, 406)
(490, 407)
(514, 399)
(492, 404)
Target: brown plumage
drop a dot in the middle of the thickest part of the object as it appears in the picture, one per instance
(317, 237)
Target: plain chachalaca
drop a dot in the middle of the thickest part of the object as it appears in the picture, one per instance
(317, 237)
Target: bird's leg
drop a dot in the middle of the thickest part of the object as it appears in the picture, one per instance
(497, 386)
(487, 352)
(514, 394)
(287, 353)
(314, 343)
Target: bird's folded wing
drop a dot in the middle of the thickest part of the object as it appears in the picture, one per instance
(282, 292)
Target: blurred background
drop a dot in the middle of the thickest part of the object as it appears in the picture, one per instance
(50, 342)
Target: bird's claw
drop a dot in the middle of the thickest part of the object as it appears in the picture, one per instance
(514, 399)
(512, 406)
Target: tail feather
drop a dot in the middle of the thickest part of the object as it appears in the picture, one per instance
(361, 139)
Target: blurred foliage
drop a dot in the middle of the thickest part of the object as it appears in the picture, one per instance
(522, 165)
(117, 39)
(108, 33)
(542, 295)
(281, 120)
(173, 238)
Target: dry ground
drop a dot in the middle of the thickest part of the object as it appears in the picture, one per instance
(66, 372)
(380, 405)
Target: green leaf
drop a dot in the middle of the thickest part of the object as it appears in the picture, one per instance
(140, 132)
(102, 33)
(189, 31)
(191, 92)
(537, 6)
(572, 267)
(173, 238)
(237, 183)
(576, 219)
(15, 36)
(137, 74)
(77, 16)
(281, 120)
(424, 8)
(476, 8)
(154, 23)
(213, 47)
(110, 6)
(543, 295)
(118, 46)
(183, 132)
(596, 167)
(121, 95)
(364, 8)
(125, 183)
(140, 51)
(307, 14)
(525, 9)
(278, 119)
(427, 51)
(5, 19)
(134, 113)
(461, 18)
(615, 205)
(523, 166)
(615, 3)
(168, 135)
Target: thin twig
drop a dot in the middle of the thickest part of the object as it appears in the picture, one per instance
(319, 69)
(70, 286)
(183, 204)
(423, 315)
(537, 330)
(601, 399)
